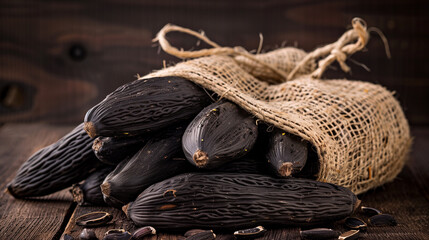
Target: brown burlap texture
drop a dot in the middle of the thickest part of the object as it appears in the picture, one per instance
(359, 129)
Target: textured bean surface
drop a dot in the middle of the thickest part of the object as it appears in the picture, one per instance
(228, 200)
(247, 164)
(90, 189)
(55, 167)
(145, 106)
(286, 153)
(222, 131)
(161, 158)
(112, 150)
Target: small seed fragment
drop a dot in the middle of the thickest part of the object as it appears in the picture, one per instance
(369, 211)
(94, 219)
(350, 235)
(192, 232)
(355, 223)
(66, 237)
(142, 232)
(382, 220)
(319, 233)
(118, 236)
(250, 233)
(87, 234)
(205, 235)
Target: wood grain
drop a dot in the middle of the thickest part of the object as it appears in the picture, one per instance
(65, 56)
(403, 199)
(51, 216)
(40, 218)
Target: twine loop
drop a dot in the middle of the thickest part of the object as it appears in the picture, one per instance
(215, 50)
(350, 42)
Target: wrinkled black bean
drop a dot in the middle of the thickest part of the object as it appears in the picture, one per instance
(146, 106)
(55, 167)
(220, 133)
(229, 200)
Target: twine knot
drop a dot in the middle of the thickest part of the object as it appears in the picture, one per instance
(338, 50)
(341, 57)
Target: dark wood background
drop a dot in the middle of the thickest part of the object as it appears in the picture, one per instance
(58, 58)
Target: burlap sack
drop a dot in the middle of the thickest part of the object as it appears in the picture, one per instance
(359, 129)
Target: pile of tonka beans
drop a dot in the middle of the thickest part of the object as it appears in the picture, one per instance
(175, 156)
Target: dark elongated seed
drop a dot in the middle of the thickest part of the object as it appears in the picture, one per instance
(66, 237)
(319, 233)
(350, 235)
(89, 192)
(145, 106)
(94, 219)
(224, 199)
(192, 232)
(286, 153)
(220, 133)
(250, 233)
(87, 234)
(142, 232)
(205, 235)
(369, 211)
(55, 167)
(151, 164)
(382, 220)
(112, 150)
(118, 236)
(356, 223)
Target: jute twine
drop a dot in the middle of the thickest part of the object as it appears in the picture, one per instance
(358, 129)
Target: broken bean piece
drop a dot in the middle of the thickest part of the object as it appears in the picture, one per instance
(142, 232)
(350, 235)
(87, 234)
(250, 233)
(67, 237)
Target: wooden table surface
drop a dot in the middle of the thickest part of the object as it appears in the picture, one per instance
(50, 217)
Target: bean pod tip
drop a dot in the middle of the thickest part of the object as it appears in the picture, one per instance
(90, 129)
